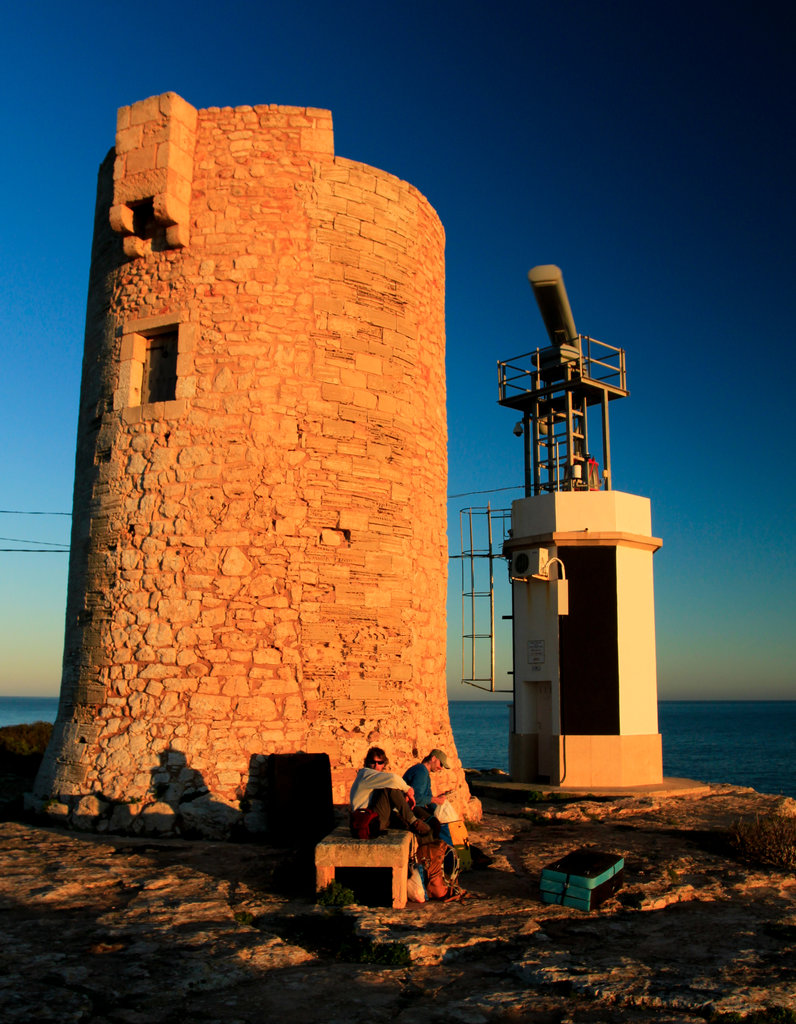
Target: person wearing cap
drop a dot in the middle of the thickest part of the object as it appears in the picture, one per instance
(419, 778)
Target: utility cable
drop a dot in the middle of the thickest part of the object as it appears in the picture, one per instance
(16, 512)
(49, 543)
(489, 490)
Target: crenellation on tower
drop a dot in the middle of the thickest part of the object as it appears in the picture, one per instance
(153, 172)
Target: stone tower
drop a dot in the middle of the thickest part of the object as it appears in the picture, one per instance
(259, 551)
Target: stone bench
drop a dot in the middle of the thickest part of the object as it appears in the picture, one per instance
(340, 850)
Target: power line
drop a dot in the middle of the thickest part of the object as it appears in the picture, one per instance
(16, 512)
(462, 494)
(489, 490)
(49, 543)
(52, 547)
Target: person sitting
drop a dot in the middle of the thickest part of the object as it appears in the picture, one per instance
(385, 793)
(419, 778)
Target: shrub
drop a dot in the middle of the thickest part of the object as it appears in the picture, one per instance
(24, 740)
(22, 747)
(335, 895)
(770, 840)
(334, 936)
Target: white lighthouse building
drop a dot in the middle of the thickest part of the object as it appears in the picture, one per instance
(580, 561)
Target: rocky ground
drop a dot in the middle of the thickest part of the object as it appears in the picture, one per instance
(103, 928)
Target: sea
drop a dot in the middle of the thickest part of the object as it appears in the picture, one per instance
(743, 742)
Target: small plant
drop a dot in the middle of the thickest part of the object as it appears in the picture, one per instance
(769, 1015)
(334, 936)
(390, 954)
(770, 840)
(540, 796)
(244, 917)
(335, 895)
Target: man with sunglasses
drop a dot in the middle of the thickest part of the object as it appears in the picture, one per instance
(387, 794)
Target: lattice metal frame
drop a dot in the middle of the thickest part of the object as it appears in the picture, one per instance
(477, 559)
(553, 389)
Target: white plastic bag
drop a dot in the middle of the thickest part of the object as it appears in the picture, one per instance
(445, 812)
(415, 889)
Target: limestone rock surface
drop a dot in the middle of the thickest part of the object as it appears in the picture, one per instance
(101, 928)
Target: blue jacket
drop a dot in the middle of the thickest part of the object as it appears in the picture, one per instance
(419, 778)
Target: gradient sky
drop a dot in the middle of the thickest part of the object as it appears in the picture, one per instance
(647, 148)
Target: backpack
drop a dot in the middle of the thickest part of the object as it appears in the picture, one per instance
(451, 866)
(465, 854)
(441, 864)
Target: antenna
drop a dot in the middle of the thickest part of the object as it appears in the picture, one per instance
(551, 296)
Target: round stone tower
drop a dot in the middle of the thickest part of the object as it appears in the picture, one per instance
(259, 555)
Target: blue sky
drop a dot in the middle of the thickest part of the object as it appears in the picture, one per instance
(646, 148)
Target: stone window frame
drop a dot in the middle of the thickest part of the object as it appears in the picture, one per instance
(159, 383)
(135, 335)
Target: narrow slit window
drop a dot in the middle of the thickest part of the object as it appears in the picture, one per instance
(144, 223)
(160, 368)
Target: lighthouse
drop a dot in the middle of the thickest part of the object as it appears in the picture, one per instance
(580, 563)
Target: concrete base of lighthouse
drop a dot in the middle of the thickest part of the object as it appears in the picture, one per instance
(585, 685)
(578, 761)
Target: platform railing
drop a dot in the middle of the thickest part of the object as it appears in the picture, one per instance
(598, 363)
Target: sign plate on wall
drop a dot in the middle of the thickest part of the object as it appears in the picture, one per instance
(536, 652)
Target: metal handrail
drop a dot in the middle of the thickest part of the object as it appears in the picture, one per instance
(587, 367)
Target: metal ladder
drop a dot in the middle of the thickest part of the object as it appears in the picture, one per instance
(478, 594)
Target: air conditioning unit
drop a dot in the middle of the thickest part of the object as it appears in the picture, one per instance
(525, 564)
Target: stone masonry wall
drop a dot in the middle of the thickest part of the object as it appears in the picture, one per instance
(259, 560)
